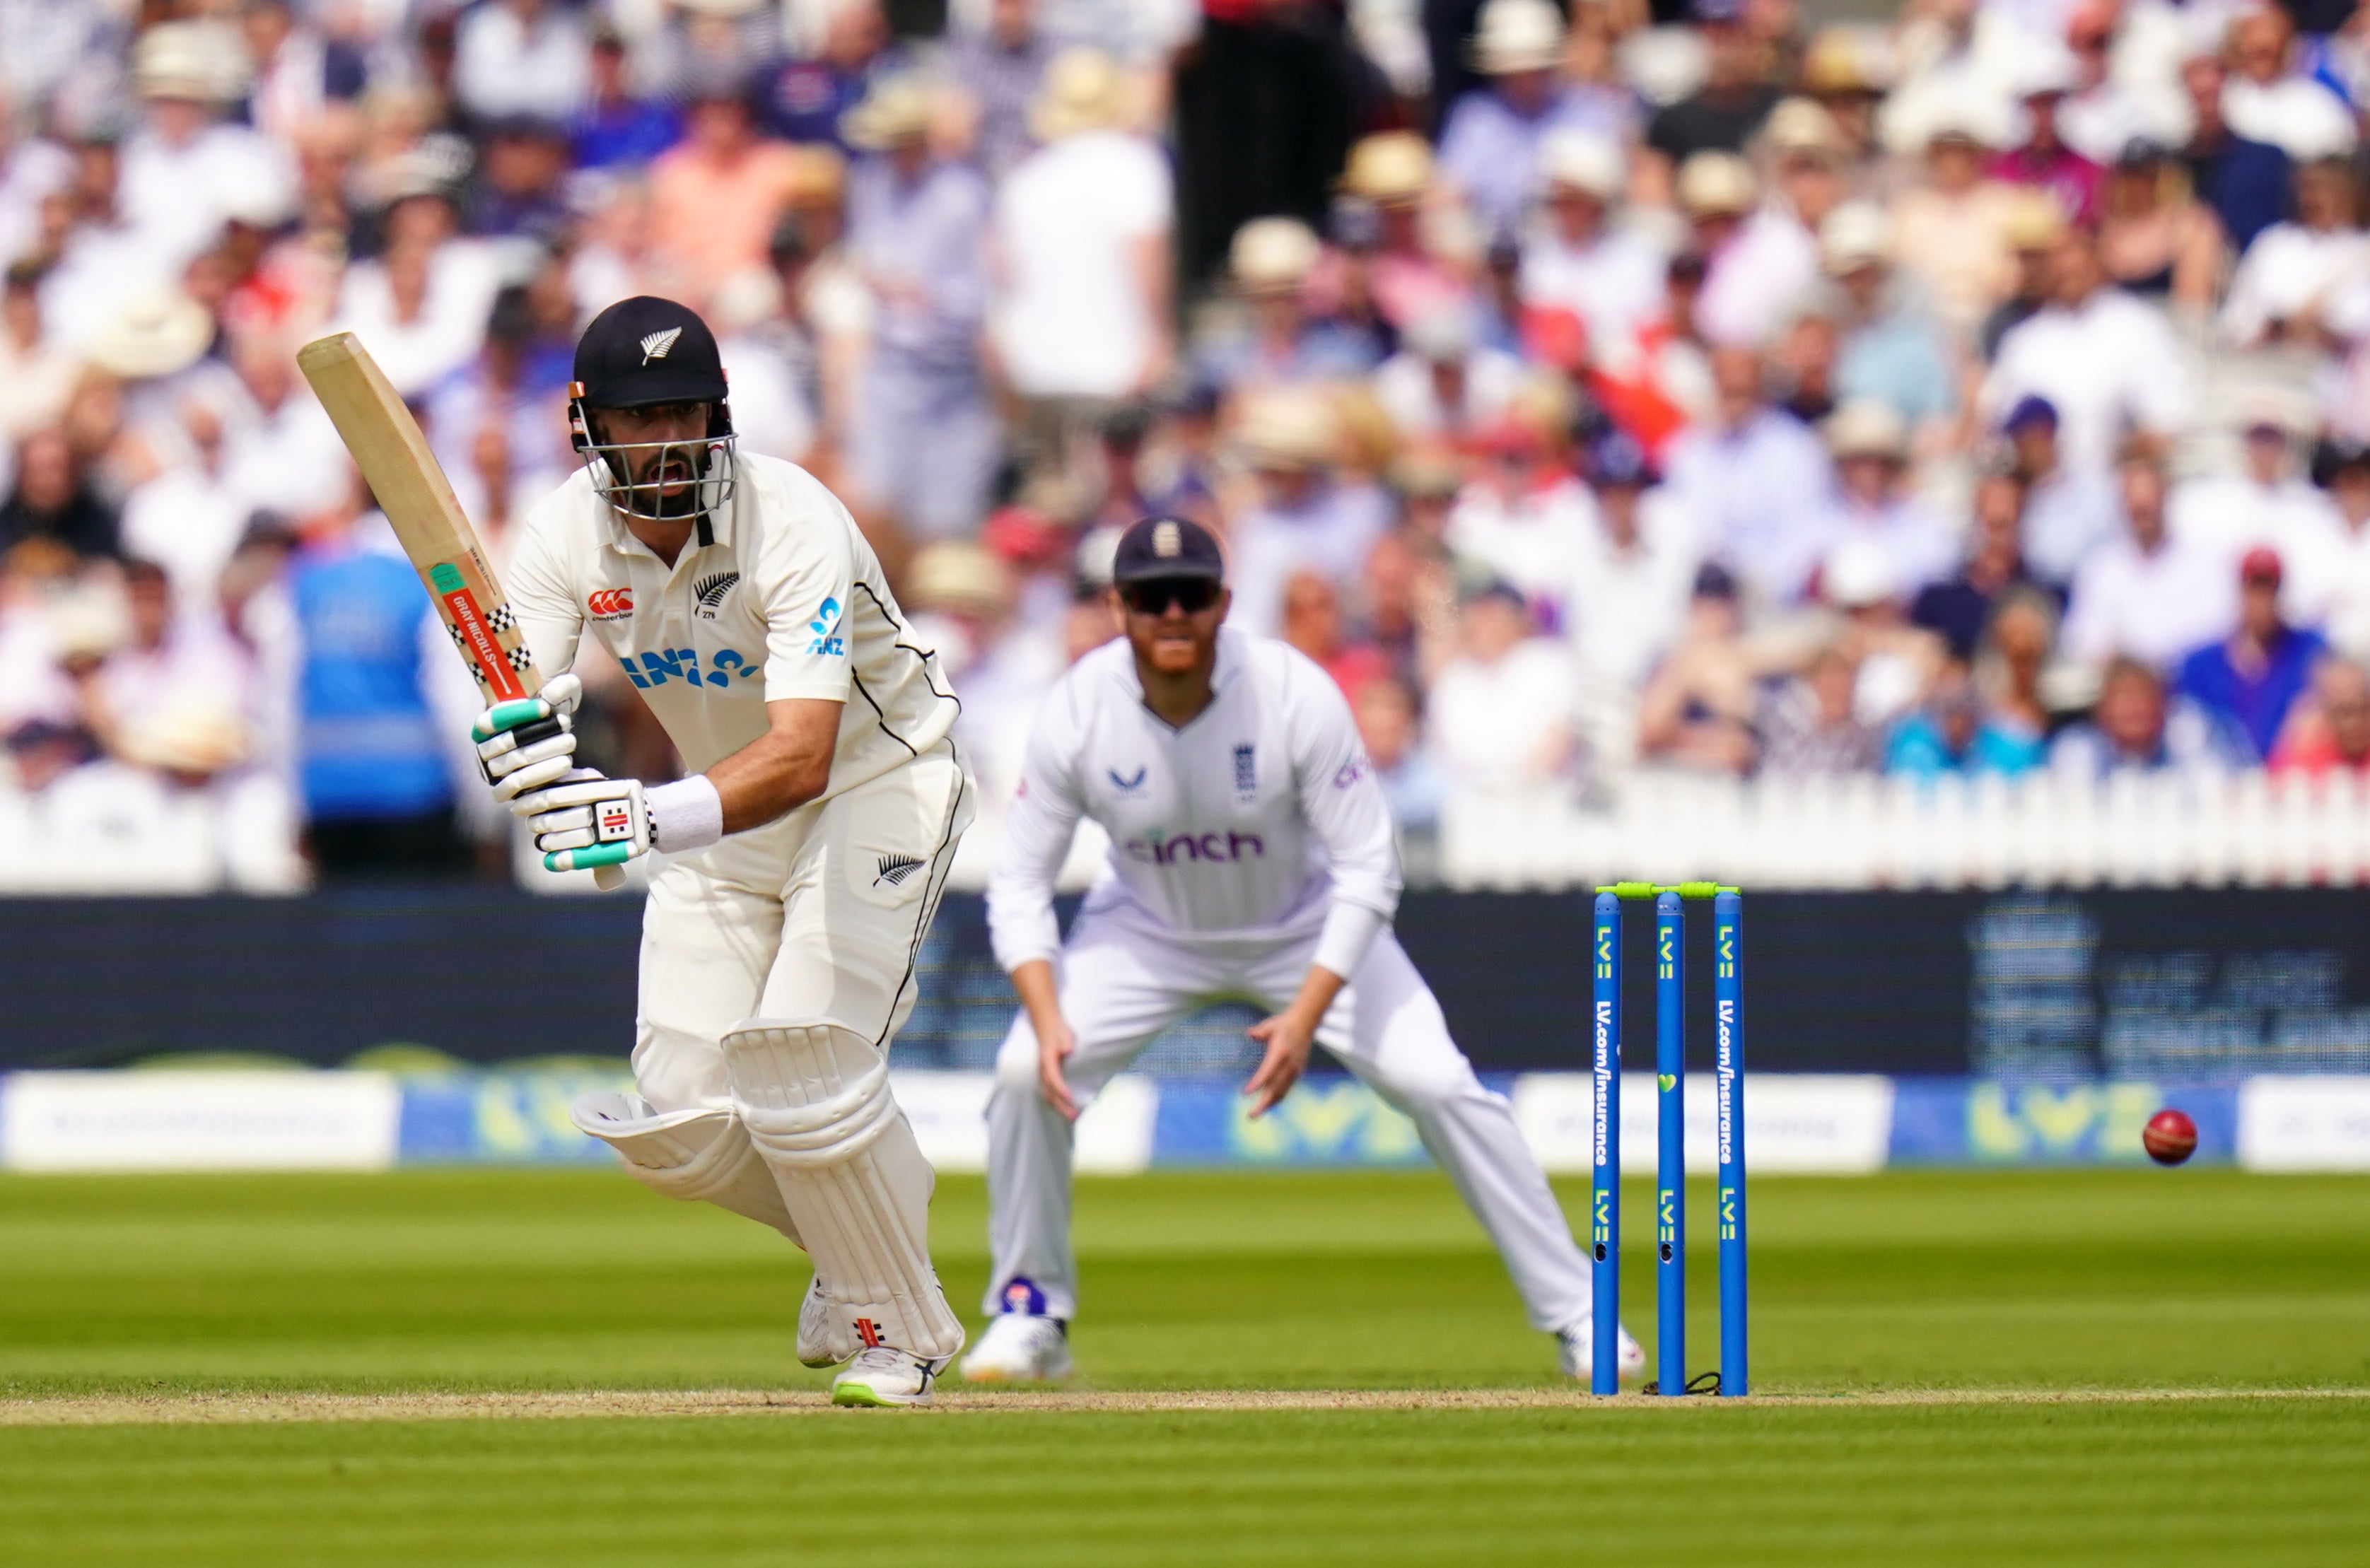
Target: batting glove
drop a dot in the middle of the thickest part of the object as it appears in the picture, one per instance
(585, 820)
(527, 744)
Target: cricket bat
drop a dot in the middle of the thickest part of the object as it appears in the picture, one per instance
(392, 452)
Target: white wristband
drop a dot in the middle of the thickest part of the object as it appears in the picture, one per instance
(686, 814)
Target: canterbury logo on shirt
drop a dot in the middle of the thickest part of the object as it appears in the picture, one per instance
(610, 604)
(1182, 847)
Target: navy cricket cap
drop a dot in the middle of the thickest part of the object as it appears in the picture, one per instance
(647, 350)
(1167, 547)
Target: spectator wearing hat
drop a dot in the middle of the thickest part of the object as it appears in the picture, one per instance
(2136, 727)
(1889, 350)
(522, 57)
(1722, 114)
(1444, 383)
(2156, 239)
(2106, 363)
(2329, 732)
(1000, 66)
(1082, 242)
(2031, 227)
(1270, 264)
(421, 304)
(1490, 144)
(2046, 75)
(1390, 179)
(2244, 181)
(1699, 707)
(1523, 518)
(716, 196)
(1628, 601)
(2146, 594)
(1754, 481)
(1605, 277)
(2249, 680)
(2270, 502)
(2296, 271)
(1956, 231)
(925, 442)
(185, 165)
(1845, 71)
(1501, 710)
(2267, 97)
(1870, 444)
(2067, 511)
(1304, 516)
(1759, 263)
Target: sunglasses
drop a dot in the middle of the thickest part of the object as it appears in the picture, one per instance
(1153, 597)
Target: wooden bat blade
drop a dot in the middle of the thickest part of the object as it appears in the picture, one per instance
(393, 456)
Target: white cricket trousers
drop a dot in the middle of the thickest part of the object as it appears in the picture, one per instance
(815, 919)
(1123, 982)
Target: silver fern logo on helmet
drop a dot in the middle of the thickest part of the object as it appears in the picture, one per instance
(656, 345)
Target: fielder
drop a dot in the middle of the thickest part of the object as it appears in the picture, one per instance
(800, 864)
(1252, 856)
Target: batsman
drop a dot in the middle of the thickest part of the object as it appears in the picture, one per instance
(796, 868)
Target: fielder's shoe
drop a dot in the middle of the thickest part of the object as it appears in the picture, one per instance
(885, 1378)
(815, 1329)
(1576, 1347)
(1020, 1347)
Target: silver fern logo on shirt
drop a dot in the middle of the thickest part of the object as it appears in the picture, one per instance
(710, 591)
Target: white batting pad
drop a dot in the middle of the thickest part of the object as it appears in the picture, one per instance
(695, 1155)
(815, 1100)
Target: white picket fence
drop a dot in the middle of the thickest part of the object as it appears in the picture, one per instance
(2246, 829)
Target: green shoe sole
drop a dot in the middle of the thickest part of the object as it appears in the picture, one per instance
(860, 1396)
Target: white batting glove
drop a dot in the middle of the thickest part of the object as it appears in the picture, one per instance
(525, 745)
(585, 820)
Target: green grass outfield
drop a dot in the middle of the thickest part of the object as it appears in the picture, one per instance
(464, 1368)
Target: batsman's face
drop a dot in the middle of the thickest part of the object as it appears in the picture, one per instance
(663, 444)
(1172, 624)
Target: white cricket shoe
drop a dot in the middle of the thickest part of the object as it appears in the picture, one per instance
(1576, 1349)
(1020, 1347)
(886, 1378)
(816, 1348)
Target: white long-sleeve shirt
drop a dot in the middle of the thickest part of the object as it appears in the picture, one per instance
(1259, 821)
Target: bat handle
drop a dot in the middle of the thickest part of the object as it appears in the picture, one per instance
(608, 878)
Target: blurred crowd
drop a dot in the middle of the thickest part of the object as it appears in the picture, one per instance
(1592, 391)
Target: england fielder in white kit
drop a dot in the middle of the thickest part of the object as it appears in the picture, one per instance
(1252, 857)
(801, 861)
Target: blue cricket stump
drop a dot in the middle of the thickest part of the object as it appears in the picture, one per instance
(1670, 1186)
(1605, 1197)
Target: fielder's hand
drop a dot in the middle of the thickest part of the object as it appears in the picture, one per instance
(1287, 1037)
(525, 745)
(585, 820)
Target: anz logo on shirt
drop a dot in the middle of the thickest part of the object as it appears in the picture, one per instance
(682, 664)
(825, 627)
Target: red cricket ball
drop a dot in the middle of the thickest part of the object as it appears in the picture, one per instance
(2171, 1137)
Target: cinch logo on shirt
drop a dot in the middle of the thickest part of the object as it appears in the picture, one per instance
(1197, 846)
(682, 664)
(610, 604)
(825, 627)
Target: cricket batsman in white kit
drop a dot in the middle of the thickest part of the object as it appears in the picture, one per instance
(1252, 857)
(800, 864)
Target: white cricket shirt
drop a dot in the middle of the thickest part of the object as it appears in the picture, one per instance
(1260, 820)
(789, 601)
